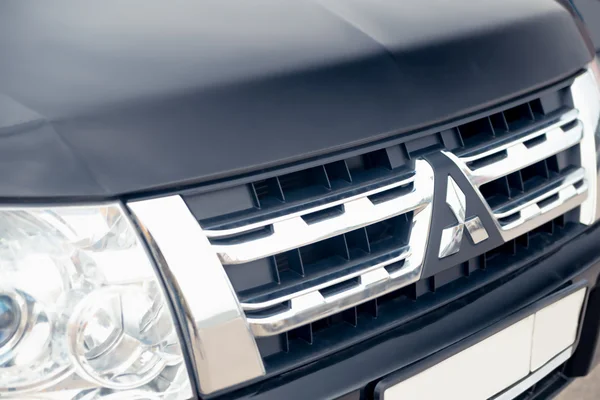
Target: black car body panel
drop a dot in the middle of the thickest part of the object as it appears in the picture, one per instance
(589, 11)
(100, 100)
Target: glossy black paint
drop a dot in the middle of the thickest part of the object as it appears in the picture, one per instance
(121, 97)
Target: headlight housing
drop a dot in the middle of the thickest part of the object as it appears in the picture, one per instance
(82, 312)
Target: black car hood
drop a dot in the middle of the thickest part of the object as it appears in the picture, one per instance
(108, 98)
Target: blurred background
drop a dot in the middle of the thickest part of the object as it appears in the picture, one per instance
(587, 388)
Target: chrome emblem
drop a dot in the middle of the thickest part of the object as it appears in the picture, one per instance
(452, 236)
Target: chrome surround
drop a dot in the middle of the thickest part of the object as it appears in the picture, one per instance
(572, 190)
(291, 231)
(586, 98)
(310, 305)
(224, 352)
(452, 236)
(536, 376)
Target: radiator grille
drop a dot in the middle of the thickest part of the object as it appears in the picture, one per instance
(529, 173)
(294, 268)
(413, 301)
(326, 254)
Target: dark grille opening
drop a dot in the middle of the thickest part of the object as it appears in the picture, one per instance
(340, 287)
(390, 232)
(492, 158)
(522, 242)
(540, 176)
(316, 262)
(535, 141)
(358, 243)
(537, 108)
(511, 122)
(312, 183)
(338, 172)
(534, 175)
(496, 192)
(376, 159)
(253, 234)
(305, 188)
(326, 251)
(327, 213)
(476, 131)
(548, 200)
(384, 196)
(499, 123)
(315, 180)
(518, 116)
(345, 328)
(268, 191)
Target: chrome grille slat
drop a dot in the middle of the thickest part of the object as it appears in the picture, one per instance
(560, 136)
(403, 254)
(312, 306)
(292, 231)
(534, 215)
(565, 190)
(221, 233)
(518, 156)
(337, 196)
(557, 122)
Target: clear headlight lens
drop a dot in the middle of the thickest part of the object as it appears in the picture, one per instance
(82, 313)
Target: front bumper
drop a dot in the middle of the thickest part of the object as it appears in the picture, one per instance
(412, 347)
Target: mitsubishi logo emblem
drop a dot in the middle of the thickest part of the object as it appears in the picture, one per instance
(452, 236)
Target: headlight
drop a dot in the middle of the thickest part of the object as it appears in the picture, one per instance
(82, 313)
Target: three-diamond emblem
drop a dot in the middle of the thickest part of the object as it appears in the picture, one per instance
(452, 236)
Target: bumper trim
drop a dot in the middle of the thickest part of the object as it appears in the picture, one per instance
(535, 377)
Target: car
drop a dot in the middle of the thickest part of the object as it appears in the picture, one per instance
(352, 200)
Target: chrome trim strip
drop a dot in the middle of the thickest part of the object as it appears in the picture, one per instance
(569, 198)
(534, 216)
(224, 351)
(306, 307)
(533, 378)
(586, 98)
(291, 231)
(565, 191)
(564, 119)
(220, 233)
(404, 254)
(317, 203)
(518, 156)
